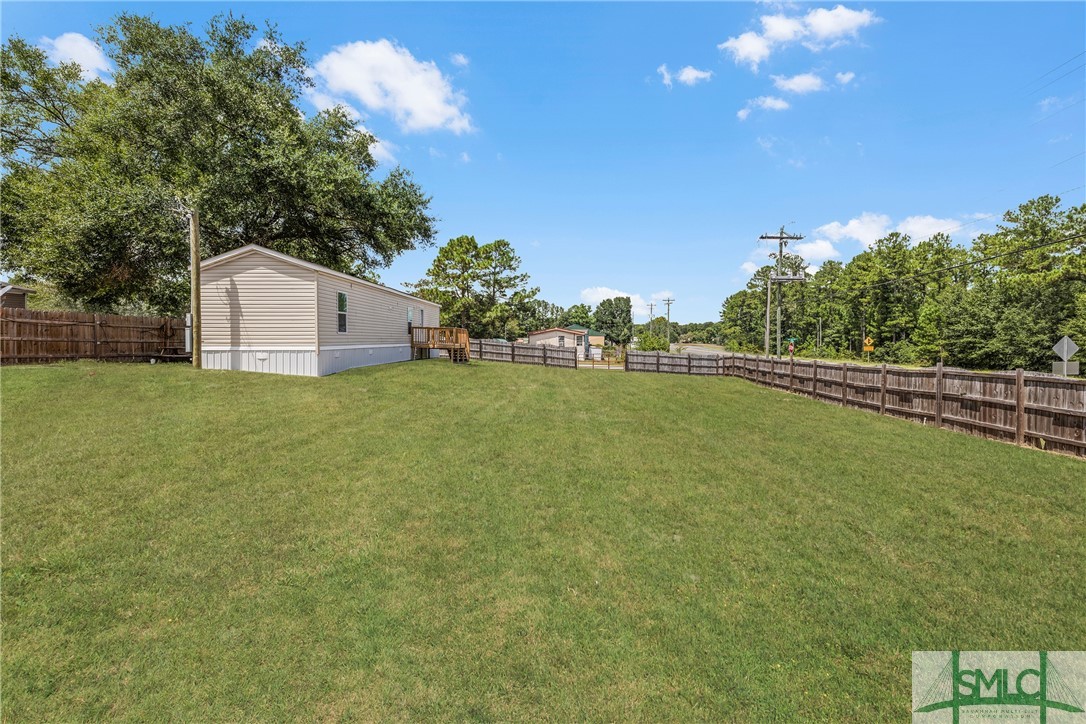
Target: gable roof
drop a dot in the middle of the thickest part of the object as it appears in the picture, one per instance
(258, 249)
(14, 289)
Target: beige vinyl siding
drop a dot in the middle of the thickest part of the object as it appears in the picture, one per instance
(551, 338)
(253, 300)
(374, 315)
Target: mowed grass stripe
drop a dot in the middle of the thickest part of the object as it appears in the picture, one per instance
(498, 541)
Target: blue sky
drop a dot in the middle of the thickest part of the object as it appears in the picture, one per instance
(642, 148)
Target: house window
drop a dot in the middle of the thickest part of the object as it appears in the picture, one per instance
(580, 340)
(561, 340)
(410, 315)
(341, 312)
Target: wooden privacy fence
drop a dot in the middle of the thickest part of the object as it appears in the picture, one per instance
(1031, 408)
(36, 336)
(528, 354)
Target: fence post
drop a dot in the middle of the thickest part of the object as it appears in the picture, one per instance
(513, 353)
(1020, 407)
(844, 384)
(939, 393)
(689, 365)
(95, 326)
(814, 380)
(791, 370)
(882, 391)
(544, 355)
(657, 361)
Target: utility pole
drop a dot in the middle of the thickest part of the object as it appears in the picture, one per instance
(194, 262)
(651, 305)
(782, 240)
(669, 301)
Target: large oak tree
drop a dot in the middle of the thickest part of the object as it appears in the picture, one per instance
(98, 175)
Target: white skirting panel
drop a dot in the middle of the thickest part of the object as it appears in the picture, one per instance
(276, 361)
(304, 361)
(332, 360)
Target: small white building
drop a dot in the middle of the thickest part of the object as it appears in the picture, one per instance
(562, 337)
(264, 311)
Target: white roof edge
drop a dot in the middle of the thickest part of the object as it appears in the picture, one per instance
(250, 248)
(5, 288)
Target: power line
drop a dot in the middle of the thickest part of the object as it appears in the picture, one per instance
(1069, 105)
(1069, 158)
(1080, 67)
(1052, 70)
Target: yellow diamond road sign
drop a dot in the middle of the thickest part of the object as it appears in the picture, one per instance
(868, 341)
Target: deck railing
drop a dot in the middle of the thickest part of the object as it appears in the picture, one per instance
(439, 338)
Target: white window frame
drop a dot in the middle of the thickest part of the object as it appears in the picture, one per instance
(341, 329)
(561, 340)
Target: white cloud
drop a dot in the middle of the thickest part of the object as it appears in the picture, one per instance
(1054, 103)
(920, 228)
(867, 228)
(782, 29)
(385, 77)
(665, 74)
(460, 60)
(839, 23)
(802, 83)
(816, 250)
(813, 269)
(766, 103)
(767, 143)
(821, 27)
(749, 48)
(384, 152)
(749, 267)
(845, 78)
(436, 153)
(464, 157)
(79, 49)
(1060, 139)
(690, 75)
(595, 295)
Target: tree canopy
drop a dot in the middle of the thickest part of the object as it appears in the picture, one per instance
(614, 317)
(481, 288)
(98, 175)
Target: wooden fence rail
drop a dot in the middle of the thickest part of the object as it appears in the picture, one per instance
(1027, 408)
(527, 354)
(30, 336)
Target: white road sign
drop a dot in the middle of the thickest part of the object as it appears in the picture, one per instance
(1065, 348)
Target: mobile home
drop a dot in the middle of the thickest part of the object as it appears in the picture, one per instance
(264, 311)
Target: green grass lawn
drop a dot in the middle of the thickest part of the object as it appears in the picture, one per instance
(494, 541)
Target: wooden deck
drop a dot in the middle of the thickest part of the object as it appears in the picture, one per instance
(454, 340)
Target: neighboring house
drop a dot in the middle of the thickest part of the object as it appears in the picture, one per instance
(595, 338)
(562, 337)
(13, 297)
(264, 311)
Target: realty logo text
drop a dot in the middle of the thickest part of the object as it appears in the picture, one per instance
(979, 686)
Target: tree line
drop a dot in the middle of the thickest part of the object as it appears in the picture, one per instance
(999, 303)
